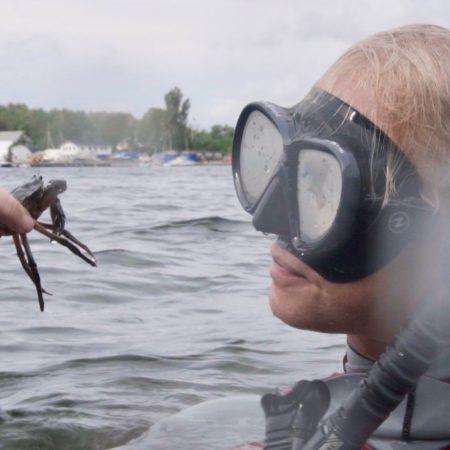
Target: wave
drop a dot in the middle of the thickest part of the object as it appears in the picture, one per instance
(215, 223)
(57, 330)
(121, 359)
(217, 352)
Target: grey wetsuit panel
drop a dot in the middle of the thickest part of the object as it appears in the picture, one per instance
(430, 421)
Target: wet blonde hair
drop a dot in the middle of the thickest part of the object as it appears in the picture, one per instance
(400, 80)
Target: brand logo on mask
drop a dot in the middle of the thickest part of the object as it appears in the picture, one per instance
(398, 222)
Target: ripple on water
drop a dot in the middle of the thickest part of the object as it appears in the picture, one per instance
(176, 312)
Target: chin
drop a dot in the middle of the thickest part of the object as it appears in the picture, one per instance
(297, 309)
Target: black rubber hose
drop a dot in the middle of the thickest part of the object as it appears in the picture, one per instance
(392, 377)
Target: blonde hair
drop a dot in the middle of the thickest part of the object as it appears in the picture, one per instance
(402, 77)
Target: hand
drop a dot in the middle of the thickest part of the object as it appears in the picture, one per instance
(14, 215)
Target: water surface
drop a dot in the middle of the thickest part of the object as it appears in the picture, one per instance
(175, 314)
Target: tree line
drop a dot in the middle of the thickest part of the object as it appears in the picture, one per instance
(158, 129)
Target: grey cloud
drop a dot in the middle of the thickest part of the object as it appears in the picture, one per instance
(125, 54)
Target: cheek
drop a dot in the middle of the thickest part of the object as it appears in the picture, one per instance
(355, 308)
(392, 294)
(375, 306)
(397, 290)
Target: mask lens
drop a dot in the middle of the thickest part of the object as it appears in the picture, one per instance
(261, 149)
(319, 193)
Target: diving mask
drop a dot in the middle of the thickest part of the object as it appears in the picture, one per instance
(335, 189)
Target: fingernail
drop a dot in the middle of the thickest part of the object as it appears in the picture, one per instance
(27, 222)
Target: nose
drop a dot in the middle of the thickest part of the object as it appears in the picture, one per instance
(271, 214)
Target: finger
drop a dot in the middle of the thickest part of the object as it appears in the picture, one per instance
(13, 214)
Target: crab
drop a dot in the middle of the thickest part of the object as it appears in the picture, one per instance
(36, 198)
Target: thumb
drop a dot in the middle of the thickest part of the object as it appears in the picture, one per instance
(13, 214)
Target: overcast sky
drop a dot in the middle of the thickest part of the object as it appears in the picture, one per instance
(124, 55)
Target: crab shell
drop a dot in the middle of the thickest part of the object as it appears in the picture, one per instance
(35, 197)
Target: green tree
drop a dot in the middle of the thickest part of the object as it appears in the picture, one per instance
(175, 119)
(66, 125)
(14, 117)
(112, 128)
(158, 129)
(218, 139)
(150, 130)
(38, 126)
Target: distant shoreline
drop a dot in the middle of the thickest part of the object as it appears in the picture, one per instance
(120, 164)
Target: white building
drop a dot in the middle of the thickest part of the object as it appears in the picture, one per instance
(20, 154)
(7, 140)
(86, 151)
(55, 155)
(70, 151)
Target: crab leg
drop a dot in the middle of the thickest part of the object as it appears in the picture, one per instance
(21, 255)
(24, 262)
(65, 242)
(70, 237)
(33, 270)
(58, 217)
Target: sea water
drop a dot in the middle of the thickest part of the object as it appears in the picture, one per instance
(176, 313)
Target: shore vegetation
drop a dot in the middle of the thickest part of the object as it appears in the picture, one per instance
(159, 129)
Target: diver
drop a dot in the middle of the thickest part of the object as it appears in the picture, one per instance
(354, 181)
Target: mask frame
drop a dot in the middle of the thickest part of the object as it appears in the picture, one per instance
(370, 227)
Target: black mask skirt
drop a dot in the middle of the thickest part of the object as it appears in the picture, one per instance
(335, 189)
